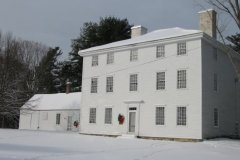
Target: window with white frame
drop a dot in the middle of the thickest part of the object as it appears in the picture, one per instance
(108, 115)
(181, 79)
(133, 82)
(160, 81)
(94, 85)
(109, 84)
(215, 54)
(181, 116)
(92, 115)
(160, 51)
(160, 116)
(133, 55)
(58, 118)
(216, 117)
(95, 60)
(215, 82)
(181, 48)
(110, 58)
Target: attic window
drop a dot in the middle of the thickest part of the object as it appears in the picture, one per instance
(95, 60)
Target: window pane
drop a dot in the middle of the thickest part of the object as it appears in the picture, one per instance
(181, 48)
(160, 80)
(181, 116)
(134, 55)
(58, 117)
(108, 116)
(95, 60)
(133, 82)
(109, 85)
(160, 51)
(110, 58)
(160, 116)
(181, 79)
(92, 115)
(94, 84)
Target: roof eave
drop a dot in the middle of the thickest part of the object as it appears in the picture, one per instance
(141, 44)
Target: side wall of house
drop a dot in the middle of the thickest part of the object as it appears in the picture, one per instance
(224, 98)
(46, 120)
(122, 99)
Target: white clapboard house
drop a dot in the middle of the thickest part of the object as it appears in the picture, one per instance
(168, 83)
(53, 112)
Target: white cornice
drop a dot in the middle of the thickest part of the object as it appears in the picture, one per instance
(144, 44)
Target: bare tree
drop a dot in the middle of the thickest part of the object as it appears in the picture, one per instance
(18, 81)
(231, 7)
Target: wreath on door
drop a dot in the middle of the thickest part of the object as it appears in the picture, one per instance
(121, 119)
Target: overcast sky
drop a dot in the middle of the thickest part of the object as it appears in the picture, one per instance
(56, 22)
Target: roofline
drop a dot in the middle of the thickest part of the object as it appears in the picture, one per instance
(29, 109)
(142, 44)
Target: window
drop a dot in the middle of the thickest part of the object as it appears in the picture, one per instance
(215, 82)
(215, 112)
(109, 85)
(95, 60)
(181, 49)
(108, 115)
(58, 118)
(110, 58)
(94, 84)
(181, 116)
(160, 116)
(160, 80)
(215, 55)
(133, 55)
(160, 51)
(181, 79)
(44, 115)
(133, 82)
(92, 115)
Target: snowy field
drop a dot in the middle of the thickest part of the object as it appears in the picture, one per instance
(38, 145)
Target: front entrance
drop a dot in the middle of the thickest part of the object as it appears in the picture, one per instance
(69, 124)
(132, 122)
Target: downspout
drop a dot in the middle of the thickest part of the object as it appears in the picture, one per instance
(38, 119)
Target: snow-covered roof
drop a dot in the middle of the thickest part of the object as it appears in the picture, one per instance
(151, 36)
(59, 101)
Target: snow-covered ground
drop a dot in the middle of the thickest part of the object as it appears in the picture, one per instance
(38, 145)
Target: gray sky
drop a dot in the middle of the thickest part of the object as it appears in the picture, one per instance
(56, 22)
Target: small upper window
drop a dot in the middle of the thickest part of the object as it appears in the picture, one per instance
(133, 55)
(110, 58)
(160, 51)
(95, 60)
(181, 48)
(94, 85)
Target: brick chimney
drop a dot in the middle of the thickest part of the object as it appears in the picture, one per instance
(68, 86)
(138, 31)
(208, 22)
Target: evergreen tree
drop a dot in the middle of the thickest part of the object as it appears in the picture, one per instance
(109, 29)
(235, 40)
(49, 72)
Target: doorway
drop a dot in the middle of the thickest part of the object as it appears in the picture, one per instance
(69, 124)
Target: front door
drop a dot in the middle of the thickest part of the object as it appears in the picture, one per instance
(132, 122)
(69, 124)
